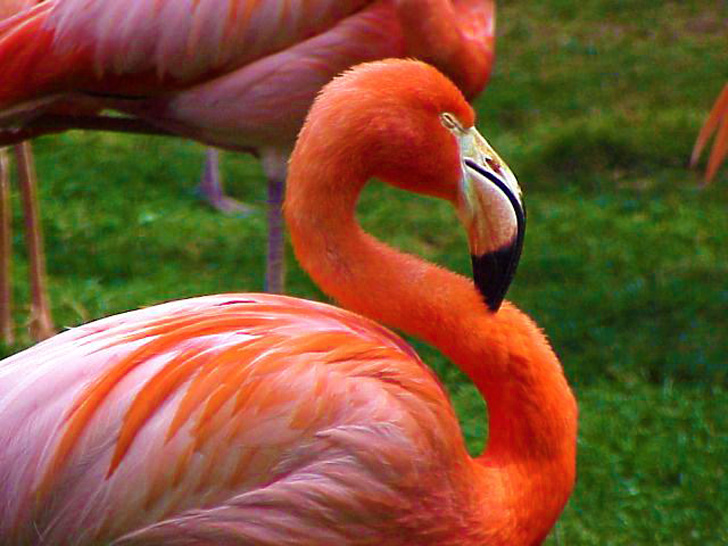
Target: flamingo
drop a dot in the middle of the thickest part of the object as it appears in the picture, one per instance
(262, 419)
(717, 121)
(235, 74)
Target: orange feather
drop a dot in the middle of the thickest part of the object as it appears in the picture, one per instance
(717, 122)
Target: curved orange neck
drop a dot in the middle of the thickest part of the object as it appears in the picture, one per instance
(528, 467)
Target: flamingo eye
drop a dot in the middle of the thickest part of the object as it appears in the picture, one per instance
(450, 122)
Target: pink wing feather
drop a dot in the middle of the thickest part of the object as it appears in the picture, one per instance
(242, 419)
(264, 103)
(245, 84)
(187, 38)
(146, 46)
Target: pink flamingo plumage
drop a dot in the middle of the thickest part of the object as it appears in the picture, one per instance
(260, 419)
(236, 74)
(717, 123)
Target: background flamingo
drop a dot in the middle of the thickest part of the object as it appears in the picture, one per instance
(717, 123)
(262, 419)
(210, 187)
(242, 83)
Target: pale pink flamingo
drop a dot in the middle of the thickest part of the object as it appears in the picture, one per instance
(236, 74)
(257, 419)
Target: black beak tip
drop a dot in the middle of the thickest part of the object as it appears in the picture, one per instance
(493, 273)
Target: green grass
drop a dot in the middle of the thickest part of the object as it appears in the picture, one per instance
(651, 463)
(595, 105)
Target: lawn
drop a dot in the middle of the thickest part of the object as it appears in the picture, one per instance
(595, 105)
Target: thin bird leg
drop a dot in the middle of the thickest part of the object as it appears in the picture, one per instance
(41, 323)
(6, 316)
(275, 168)
(210, 187)
(275, 272)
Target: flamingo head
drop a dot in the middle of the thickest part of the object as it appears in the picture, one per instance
(434, 148)
(405, 123)
(490, 206)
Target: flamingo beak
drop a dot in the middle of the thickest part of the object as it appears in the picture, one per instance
(491, 209)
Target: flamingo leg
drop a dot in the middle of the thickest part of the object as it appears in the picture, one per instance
(6, 317)
(41, 323)
(211, 187)
(275, 167)
(275, 272)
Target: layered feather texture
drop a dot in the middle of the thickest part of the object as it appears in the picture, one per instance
(230, 419)
(142, 46)
(239, 74)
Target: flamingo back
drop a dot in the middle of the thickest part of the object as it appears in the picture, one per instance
(236, 419)
(138, 47)
(265, 102)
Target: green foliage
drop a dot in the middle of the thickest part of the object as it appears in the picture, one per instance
(595, 105)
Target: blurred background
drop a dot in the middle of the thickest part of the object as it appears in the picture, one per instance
(595, 105)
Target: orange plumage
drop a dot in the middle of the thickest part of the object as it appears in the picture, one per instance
(717, 123)
(267, 420)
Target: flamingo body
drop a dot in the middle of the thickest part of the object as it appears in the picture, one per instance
(263, 420)
(258, 57)
(174, 419)
(263, 106)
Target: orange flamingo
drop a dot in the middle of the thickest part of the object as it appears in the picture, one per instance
(717, 122)
(266, 420)
(237, 74)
